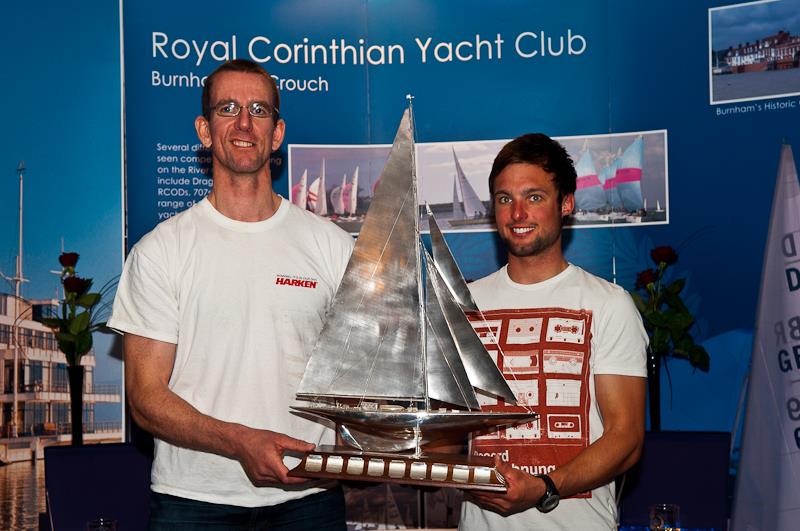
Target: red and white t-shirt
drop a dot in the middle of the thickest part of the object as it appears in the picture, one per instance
(549, 340)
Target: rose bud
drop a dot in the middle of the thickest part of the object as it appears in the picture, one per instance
(68, 259)
(76, 285)
(643, 278)
(665, 254)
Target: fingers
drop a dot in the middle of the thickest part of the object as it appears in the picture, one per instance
(505, 469)
(266, 466)
(487, 500)
(516, 497)
(285, 442)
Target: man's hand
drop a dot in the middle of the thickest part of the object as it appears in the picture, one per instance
(261, 456)
(524, 491)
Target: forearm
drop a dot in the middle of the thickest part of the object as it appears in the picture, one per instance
(160, 411)
(621, 401)
(611, 455)
(168, 417)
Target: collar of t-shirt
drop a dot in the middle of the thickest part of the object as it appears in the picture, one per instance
(244, 226)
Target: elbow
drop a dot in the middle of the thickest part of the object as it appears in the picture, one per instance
(136, 413)
(635, 452)
(139, 411)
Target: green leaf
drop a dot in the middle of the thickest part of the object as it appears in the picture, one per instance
(87, 300)
(65, 336)
(699, 358)
(676, 286)
(83, 343)
(658, 319)
(674, 301)
(684, 344)
(660, 342)
(67, 347)
(678, 322)
(80, 323)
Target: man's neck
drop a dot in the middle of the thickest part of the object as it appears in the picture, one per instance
(244, 198)
(538, 268)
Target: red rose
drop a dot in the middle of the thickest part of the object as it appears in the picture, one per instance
(643, 278)
(68, 259)
(665, 254)
(77, 285)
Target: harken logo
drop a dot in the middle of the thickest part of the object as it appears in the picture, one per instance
(291, 280)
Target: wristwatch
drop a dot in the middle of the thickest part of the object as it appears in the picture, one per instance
(550, 498)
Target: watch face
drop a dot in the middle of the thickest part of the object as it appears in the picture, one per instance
(549, 503)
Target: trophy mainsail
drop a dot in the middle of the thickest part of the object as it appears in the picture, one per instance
(369, 345)
(396, 333)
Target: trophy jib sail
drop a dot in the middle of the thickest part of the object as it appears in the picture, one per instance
(397, 363)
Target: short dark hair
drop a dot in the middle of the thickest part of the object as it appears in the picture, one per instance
(238, 65)
(540, 150)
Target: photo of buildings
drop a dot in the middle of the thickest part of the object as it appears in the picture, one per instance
(754, 51)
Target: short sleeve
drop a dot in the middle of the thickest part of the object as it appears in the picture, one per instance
(620, 338)
(146, 303)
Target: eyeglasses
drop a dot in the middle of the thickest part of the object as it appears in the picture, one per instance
(257, 109)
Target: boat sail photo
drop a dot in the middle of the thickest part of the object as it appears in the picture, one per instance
(397, 364)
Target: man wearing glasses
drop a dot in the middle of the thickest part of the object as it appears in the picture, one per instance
(216, 340)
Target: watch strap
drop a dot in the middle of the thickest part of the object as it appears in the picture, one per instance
(551, 497)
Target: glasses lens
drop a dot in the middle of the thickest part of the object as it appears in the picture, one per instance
(260, 109)
(228, 108)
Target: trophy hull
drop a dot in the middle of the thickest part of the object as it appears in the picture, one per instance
(397, 431)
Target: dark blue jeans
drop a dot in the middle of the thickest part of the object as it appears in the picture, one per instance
(322, 511)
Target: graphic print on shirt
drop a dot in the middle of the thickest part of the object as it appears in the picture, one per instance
(544, 355)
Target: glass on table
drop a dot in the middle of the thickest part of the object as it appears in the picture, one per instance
(665, 517)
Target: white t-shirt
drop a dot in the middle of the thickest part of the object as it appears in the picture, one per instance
(244, 303)
(555, 336)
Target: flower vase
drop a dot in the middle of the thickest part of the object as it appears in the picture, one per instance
(76, 377)
(654, 389)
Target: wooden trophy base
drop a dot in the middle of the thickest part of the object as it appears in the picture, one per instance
(430, 470)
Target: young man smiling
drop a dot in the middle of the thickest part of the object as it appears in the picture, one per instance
(571, 345)
(215, 345)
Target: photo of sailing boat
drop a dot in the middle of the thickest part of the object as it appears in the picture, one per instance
(622, 179)
(336, 182)
(453, 182)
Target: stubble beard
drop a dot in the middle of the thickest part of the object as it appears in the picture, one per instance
(540, 244)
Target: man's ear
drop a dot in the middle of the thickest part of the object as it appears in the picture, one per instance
(203, 129)
(277, 135)
(567, 205)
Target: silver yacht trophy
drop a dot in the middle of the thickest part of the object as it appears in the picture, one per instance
(395, 364)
